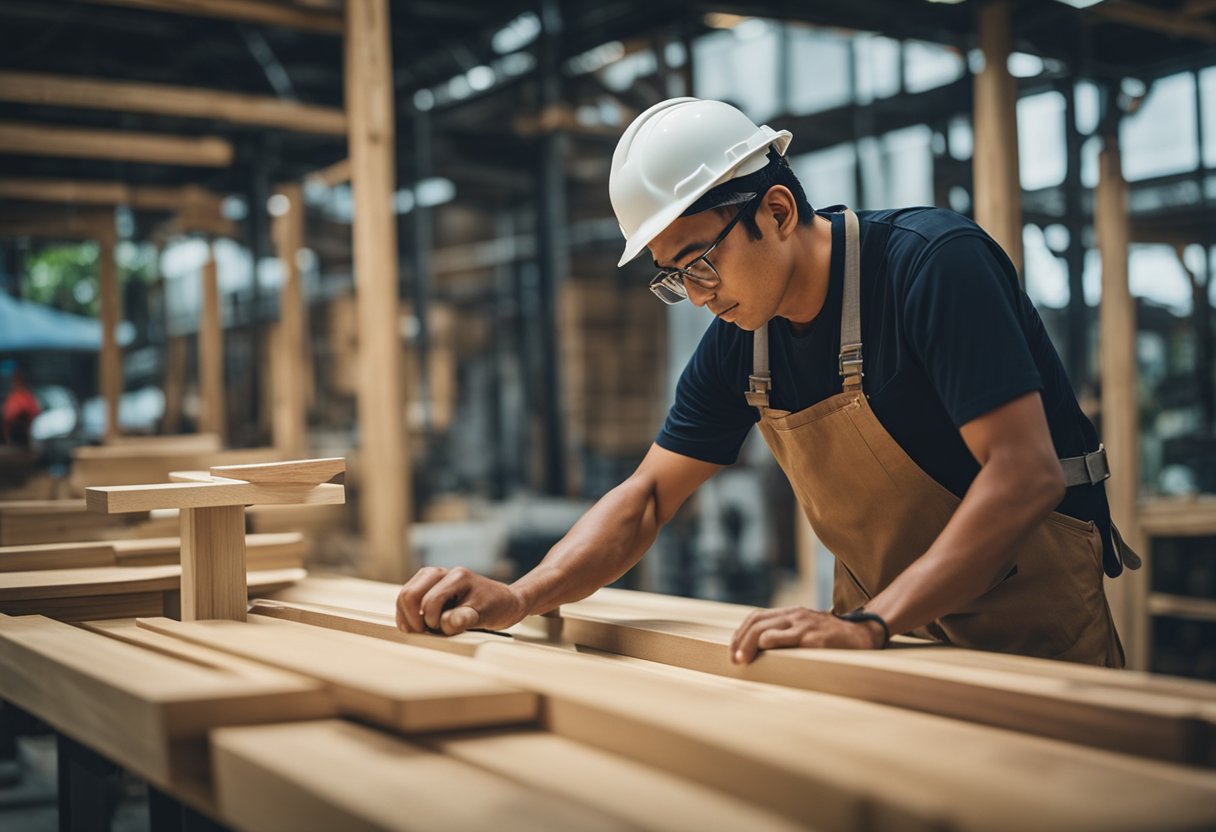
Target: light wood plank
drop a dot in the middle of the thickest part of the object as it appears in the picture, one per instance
(145, 467)
(299, 472)
(110, 363)
(254, 11)
(127, 446)
(186, 495)
(29, 139)
(328, 775)
(56, 556)
(658, 800)
(1159, 724)
(187, 102)
(135, 705)
(393, 685)
(385, 493)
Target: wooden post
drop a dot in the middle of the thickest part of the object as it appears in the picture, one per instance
(998, 188)
(289, 424)
(110, 369)
(1120, 405)
(384, 483)
(212, 408)
(214, 584)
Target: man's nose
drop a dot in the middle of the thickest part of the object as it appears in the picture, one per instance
(698, 295)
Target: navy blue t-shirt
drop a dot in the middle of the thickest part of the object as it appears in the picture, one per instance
(949, 335)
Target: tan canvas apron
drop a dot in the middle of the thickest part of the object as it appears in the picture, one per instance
(877, 512)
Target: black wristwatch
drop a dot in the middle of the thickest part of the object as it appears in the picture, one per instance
(859, 615)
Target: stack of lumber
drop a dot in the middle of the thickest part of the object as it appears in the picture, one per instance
(125, 578)
(316, 713)
(613, 344)
(30, 522)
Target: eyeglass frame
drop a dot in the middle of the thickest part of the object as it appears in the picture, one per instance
(672, 279)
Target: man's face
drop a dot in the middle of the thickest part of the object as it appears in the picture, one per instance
(750, 286)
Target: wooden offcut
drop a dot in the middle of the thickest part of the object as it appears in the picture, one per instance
(44, 89)
(309, 472)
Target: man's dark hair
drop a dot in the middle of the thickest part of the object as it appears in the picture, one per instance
(736, 191)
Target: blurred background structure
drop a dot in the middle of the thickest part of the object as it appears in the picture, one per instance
(381, 230)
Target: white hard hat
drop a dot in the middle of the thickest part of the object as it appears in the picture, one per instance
(675, 152)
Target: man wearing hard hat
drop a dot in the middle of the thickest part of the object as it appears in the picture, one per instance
(903, 381)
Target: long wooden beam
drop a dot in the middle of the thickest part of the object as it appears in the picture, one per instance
(187, 102)
(385, 493)
(1185, 25)
(80, 192)
(998, 188)
(213, 410)
(289, 341)
(28, 139)
(110, 362)
(253, 11)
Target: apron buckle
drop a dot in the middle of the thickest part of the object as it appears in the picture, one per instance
(757, 393)
(850, 360)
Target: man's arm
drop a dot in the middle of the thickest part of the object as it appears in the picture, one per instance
(603, 545)
(1019, 483)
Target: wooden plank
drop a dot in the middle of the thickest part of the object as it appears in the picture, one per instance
(45, 89)
(253, 11)
(290, 341)
(134, 705)
(998, 188)
(330, 774)
(1120, 399)
(1145, 723)
(871, 767)
(657, 799)
(1178, 516)
(28, 139)
(119, 499)
(88, 192)
(393, 685)
(361, 623)
(56, 556)
(1181, 606)
(213, 563)
(263, 551)
(331, 177)
(51, 521)
(300, 472)
(123, 605)
(132, 446)
(213, 412)
(385, 493)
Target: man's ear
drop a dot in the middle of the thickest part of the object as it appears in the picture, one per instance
(781, 203)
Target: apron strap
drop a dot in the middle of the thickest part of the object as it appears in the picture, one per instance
(850, 314)
(1090, 469)
(759, 382)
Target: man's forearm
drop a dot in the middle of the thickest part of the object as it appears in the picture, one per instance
(601, 547)
(973, 551)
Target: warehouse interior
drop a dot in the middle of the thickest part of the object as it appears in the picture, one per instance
(377, 234)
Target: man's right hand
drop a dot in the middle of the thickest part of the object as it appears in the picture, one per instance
(454, 600)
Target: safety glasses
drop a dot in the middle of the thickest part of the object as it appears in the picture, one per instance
(668, 285)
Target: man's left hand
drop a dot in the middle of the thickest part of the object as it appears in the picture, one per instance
(800, 627)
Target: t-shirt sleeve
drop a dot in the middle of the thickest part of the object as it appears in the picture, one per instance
(710, 417)
(962, 324)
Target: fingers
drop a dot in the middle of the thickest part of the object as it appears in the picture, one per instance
(452, 586)
(780, 637)
(748, 623)
(458, 620)
(409, 599)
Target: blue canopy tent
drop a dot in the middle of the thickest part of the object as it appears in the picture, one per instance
(26, 326)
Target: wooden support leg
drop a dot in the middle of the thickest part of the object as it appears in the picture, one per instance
(213, 564)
